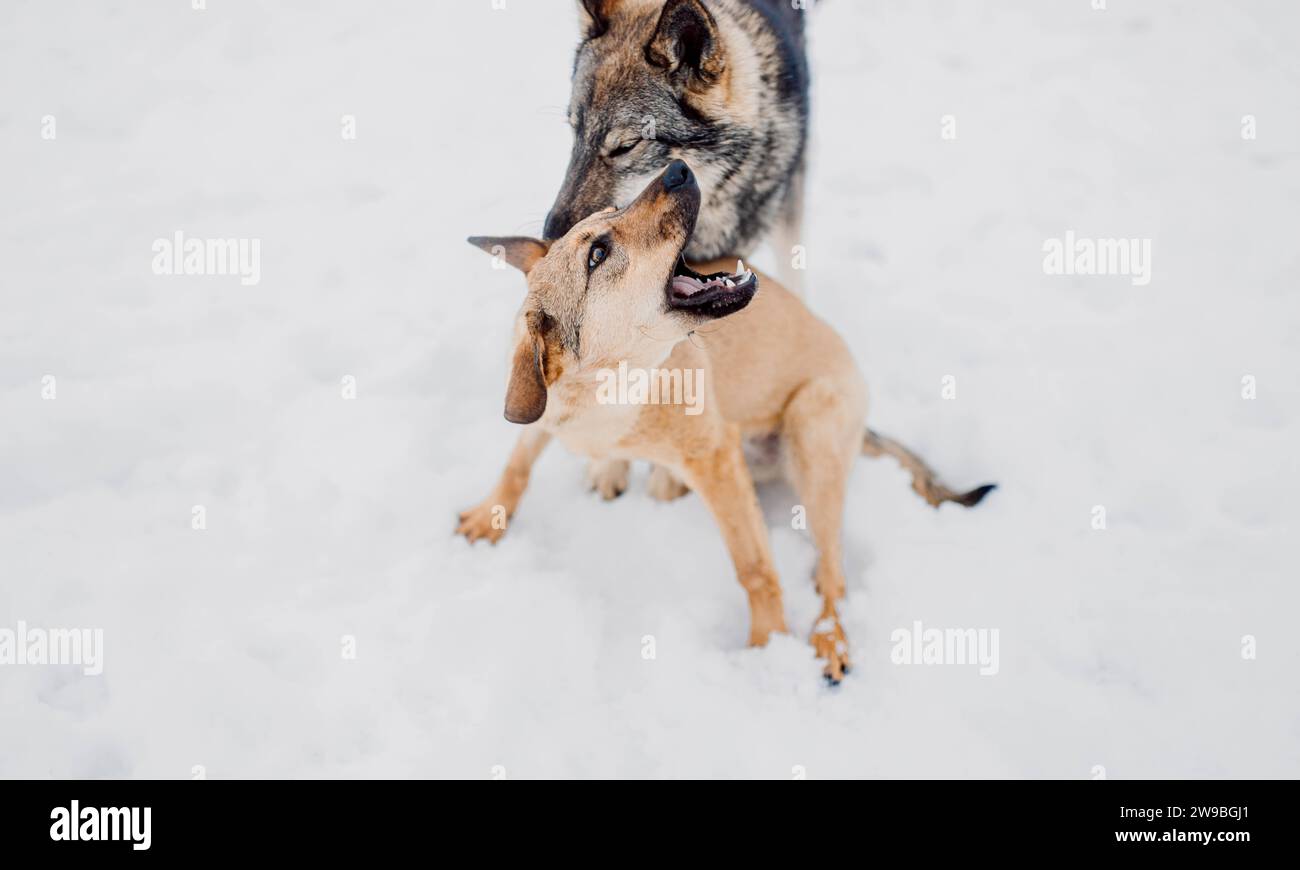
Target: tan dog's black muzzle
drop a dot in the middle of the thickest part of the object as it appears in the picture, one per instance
(669, 205)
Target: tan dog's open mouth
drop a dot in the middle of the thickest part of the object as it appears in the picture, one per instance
(715, 295)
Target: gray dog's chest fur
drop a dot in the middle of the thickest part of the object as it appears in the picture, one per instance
(763, 454)
(760, 160)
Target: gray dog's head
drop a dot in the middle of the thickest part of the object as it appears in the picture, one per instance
(656, 81)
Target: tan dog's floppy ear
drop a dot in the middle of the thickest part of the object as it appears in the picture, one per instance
(526, 394)
(519, 251)
(687, 41)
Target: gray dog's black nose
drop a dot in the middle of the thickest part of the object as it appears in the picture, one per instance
(677, 175)
(557, 224)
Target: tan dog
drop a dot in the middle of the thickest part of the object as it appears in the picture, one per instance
(615, 295)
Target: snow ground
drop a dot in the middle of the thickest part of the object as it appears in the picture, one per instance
(1118, 648)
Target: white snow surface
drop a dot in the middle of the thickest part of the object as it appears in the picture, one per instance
(1119, 648)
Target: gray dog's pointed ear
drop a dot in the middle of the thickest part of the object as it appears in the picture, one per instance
(687, 42)
(594, 15)
(519, 251)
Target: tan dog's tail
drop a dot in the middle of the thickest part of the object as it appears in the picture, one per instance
(924, 480)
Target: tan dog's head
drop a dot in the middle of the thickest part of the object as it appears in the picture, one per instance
(613, 288)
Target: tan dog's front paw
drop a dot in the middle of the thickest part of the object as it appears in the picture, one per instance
(766, 616)
(664, 485)
(608, 477)
(832, 646)
(485, 520)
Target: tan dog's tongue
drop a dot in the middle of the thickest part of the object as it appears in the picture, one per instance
(686, 286)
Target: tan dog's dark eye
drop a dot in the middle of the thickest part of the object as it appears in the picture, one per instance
(596, 256)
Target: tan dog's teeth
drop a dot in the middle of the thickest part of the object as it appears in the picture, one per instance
(740, 267)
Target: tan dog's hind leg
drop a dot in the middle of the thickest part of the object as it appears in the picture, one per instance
(489, 518)
(664, 485)
(822, 431)
(722, 480)
(608, 477)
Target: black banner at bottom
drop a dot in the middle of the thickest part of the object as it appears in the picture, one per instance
(337, 819)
